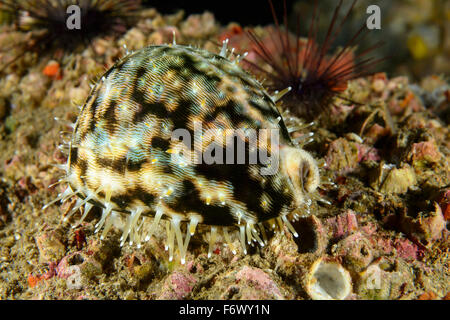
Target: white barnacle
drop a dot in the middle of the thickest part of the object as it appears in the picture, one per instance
(328, 280)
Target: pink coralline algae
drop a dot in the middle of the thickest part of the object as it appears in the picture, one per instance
(194, 267)
(426, 151)
(366, 153)
(360, 244)
(260, 281)
(406, 249)
(177, 286)
(343, 224)
(403, 248)
(85, 264)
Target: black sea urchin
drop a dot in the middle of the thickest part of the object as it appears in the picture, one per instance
(46, 21)
(315, 77)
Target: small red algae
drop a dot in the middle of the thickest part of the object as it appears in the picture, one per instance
(444, 203)
(232, 31)
(79, 239)
(408, 102)
(430, 295)
(53, 70)
(405, 102)
(33, 280)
